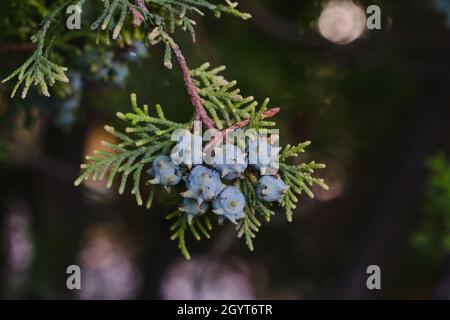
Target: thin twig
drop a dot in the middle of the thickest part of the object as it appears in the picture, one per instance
(266, 114)
(142, 5)
(138, 17)
(200, 112)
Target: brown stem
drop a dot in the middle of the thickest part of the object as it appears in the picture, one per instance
(138, 18)
(200, 112)
(266, 114)
(142, 6)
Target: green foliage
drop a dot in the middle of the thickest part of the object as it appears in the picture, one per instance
(112, 9)
(38, 69)
(148, 132)
(223, 100)
(254, 207)
(169, 14)
(161, 16)
(148, 136)
(433, 236)
(199, 228)
(299, 178)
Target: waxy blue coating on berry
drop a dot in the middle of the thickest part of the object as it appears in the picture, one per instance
(271, 189)
(231, 162)
(266, 158)
(158, 163)
(188, 149)
(192, 207)
(165, 172)
(230, 204)
(203, 184)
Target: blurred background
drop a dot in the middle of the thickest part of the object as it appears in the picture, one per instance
(375, 104)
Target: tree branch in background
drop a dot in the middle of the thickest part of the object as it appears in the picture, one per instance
(4, 47)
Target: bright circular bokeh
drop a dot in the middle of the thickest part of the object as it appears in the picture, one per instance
(341, 21)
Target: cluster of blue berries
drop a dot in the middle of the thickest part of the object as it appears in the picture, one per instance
(205, 187)
(230, 161)
(105, 67)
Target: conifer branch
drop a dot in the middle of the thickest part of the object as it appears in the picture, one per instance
(146, 137)
(200, 112)
(250, 225)
(149, 136)
(199, 228)
(299, 178)
(118, 8)
(217, 103)
(38, 70)
(265, 115)
(243, 123)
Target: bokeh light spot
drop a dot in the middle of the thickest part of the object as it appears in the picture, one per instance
(342, 21)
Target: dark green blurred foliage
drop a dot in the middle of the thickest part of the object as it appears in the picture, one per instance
(375, 110)
(433, 237)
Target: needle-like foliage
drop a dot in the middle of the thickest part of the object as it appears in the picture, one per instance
(199, 228)
(433, 235)
(299, 177)
(218, 104)
(148, 136)
(156, 17)
(38, 70)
